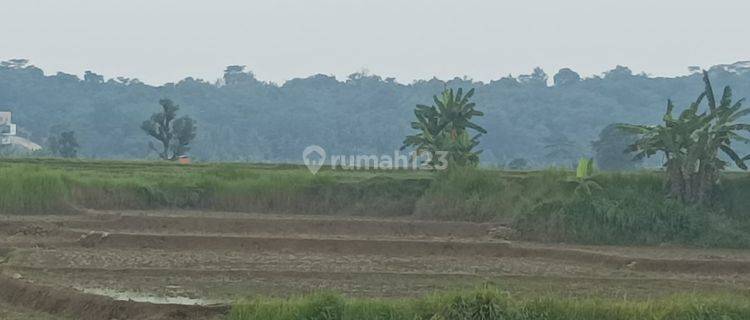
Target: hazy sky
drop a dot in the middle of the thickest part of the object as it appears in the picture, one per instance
(161, 41)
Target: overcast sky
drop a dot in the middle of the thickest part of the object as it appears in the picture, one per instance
(161, 41)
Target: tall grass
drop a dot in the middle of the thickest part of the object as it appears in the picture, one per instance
(33, 190)
(632, 209)
(542, 205)
(491, 304)
(227, 187)
(467, 194)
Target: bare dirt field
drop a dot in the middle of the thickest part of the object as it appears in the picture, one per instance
(191, 265)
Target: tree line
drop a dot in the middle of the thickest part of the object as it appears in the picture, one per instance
(530, 120)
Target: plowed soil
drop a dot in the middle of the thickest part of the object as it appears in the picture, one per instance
(191, 265)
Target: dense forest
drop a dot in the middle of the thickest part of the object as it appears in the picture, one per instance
(240, 118)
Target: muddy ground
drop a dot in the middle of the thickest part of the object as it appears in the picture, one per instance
(191, 265)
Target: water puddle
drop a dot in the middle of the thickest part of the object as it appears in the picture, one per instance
(144, 297)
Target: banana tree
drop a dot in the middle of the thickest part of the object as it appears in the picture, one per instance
(461, 149)
(444, 127)
(584, 182)
(430, 129)
(456, 112)
(693, 142)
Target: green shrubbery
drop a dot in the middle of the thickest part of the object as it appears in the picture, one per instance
(466, 194)
(630, 208)
(490, 304)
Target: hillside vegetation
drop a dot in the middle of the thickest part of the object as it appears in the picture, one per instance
(630, 208)
(241, 118)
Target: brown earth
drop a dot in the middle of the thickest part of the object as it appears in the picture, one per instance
(177, 265)
(83, 306)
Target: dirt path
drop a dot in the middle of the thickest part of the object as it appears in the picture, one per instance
(178, 259)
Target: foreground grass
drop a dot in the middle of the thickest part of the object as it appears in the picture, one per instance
(541, 206)
(491, 304)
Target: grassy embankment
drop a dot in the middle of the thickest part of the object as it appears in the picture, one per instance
(541, 205)
(490, 304)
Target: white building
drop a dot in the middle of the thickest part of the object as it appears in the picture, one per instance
(8, 134)
(7, 129)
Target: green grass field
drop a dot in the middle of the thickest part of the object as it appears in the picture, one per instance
(540, 205)
(630, 209)
(491, 304)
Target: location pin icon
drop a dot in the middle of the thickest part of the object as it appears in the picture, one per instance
(314, 156)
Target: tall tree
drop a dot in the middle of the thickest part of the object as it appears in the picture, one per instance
(65, 145)
(561, 150)
(538, 78)
(611, 149)
(565, 77)
(92, 77)
(236, 75)
(174, 134)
